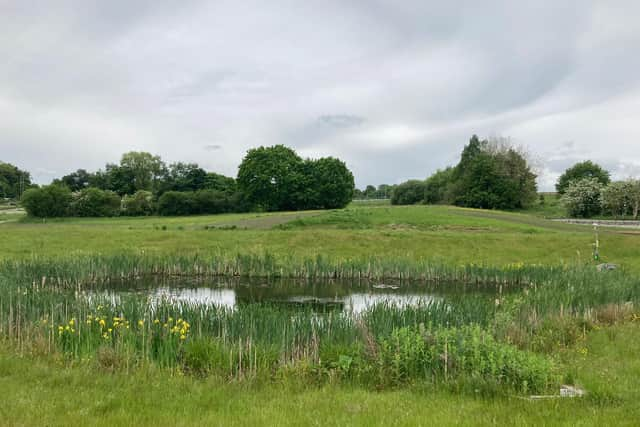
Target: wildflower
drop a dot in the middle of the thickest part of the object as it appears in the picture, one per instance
(102, 323)
(141, 323)
(183, 337)
(156, 321)
(60, 328)
(110, 330)
(88, 321)
(72, 322)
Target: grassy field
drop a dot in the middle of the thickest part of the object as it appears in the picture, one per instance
(452, 235)
(47, 388)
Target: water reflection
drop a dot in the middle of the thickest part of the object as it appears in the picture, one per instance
(347, 297)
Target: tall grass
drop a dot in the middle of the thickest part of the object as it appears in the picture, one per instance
(44, 308)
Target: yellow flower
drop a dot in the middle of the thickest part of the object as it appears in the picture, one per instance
(141, 323)
(88, 321)
(102, 323)
(156, 321)
(110, 330)
(72, 322)
(60, 328)
(183, 337)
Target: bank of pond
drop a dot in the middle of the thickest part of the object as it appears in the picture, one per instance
(473, 329)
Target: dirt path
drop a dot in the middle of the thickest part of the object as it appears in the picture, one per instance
(265, 222)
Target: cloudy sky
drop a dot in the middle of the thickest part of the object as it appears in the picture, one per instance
(394, 88)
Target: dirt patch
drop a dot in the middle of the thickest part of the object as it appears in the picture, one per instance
(264, 222)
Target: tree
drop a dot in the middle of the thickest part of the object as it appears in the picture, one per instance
(13, 181)
(493, 176)
(331, 184)
(138, 204)
(75, 181)
(634, 196)
(185, 177)
(93, 202)
(47, 202)
(211, 202)
(620, 198)
(586, 169)
(370, 192)
(145, 169)
(438, 187)
(582, 197)
(271, 178)
(408, 193)
(215, 181)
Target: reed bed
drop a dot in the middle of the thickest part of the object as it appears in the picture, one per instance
(44, 308)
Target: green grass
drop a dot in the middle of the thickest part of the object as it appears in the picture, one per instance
(452, 235)
(559, 298)
(44, 392)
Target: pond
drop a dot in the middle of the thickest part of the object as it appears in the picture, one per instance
(348, 296)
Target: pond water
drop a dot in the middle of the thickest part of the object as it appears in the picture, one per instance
(346, 296)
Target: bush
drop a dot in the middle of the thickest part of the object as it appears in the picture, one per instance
(47, 202)
(93, 202)
(582, 198)
(211, 202)
(139, 204)
(176, 203)
(438, 187)
(408, 193)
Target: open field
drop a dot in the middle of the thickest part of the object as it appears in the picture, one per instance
(66, 359)
(451, 235)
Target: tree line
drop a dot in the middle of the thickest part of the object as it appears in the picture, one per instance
(269, 179)
(491, 174)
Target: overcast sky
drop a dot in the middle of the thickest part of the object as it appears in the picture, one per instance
(394, 88)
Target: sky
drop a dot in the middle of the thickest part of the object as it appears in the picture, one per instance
(393, 88)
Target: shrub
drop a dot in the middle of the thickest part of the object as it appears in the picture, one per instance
(408, 193)
(582, 198)
(176, 203)
(138, 204)
(211, 202)
(47, 202)
(93, 202)
(438, 187)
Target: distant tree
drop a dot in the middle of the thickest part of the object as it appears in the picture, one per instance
(47, 202)
(582, 197)
(13, 181)
(138, 204)
(271, 178)
(215, 181)
(586, 169)
(358, 194)
(176, 203)
(408, 193)
(116, 178)
(185, 177)
(146, 170)
(94, 202)
(370, 192)
(330, 184)
(438, 187)
(75, 181)
(493, 176)
(621, 198)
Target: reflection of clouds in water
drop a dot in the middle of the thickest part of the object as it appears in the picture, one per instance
(219, 297)
(355, 303)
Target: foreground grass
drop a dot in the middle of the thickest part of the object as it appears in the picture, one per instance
(43, 392)
(454, 235)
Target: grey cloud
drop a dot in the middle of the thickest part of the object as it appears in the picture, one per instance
(394, 88)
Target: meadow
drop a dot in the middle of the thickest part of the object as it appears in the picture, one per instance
(550, 318)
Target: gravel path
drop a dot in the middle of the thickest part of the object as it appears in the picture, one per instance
(601, 223)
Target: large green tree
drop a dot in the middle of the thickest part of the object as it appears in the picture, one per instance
(586, 169)
(331, 184)
(272, 178)
(145, 169)
(493, 175)
(408, 193)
